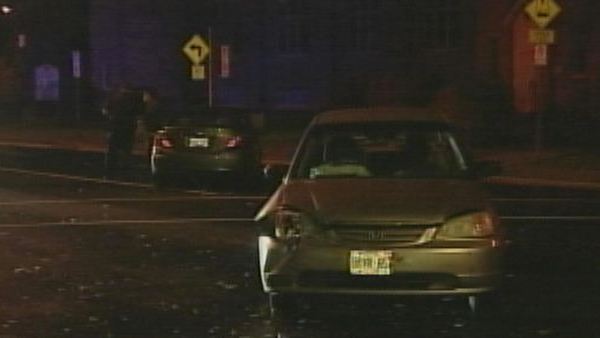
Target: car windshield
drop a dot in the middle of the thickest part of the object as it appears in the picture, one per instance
(378, 150)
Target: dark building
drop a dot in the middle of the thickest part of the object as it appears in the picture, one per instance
(277, 56)
(39, 42)
(566, 89)
(291, 54)
(138, 42)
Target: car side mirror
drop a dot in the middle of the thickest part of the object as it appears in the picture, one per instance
(487, 168)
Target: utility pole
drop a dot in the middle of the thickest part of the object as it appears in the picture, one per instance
(262, 59)
(540, 104)
(76, 66)
(541, 13)
(210, 68)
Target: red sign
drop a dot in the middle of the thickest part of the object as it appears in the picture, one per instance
(540, 55)
(225, 58)
(76, 60)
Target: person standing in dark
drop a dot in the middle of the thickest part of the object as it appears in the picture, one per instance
(152, 116)
(122, 109)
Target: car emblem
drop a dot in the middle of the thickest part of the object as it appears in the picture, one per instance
(375, 235)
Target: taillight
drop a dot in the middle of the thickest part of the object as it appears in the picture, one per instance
(163, 142)
(234, 142)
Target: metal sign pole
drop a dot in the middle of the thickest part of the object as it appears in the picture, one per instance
(539, 99)
(76, 64)
(541, 12)
(210, 69)
(540, 106)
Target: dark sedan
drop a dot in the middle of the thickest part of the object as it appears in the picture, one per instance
(206, 146)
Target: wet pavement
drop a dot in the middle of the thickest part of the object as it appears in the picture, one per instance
(85, 257)
(94, 259)
(199, 280)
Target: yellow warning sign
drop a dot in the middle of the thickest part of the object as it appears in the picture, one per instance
(542, 12)
(541, 36)
(196, 49)
(198, 72)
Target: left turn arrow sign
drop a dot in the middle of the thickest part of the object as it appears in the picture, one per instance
(196, 49)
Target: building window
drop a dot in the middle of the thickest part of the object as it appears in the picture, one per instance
(578, 58)
(442, 23)
(241, 35)
(293, 27)
(578, 42)
(357, 29)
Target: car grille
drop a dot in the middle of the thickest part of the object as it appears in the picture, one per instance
(401, 281)
(384, 235)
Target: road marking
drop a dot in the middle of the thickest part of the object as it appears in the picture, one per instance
(130, 222)
(231, 220)
(75, 178)
(134, 200)
(544, 183)
(548, 199)
(204, 194)
(550, 218)
(47, 146)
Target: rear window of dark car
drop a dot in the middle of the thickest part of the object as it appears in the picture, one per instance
(224, 118)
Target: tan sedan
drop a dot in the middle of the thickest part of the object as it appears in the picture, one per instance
(379, 202)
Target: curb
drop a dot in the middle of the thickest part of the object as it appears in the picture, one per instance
(51, 146)
(503, 180)
(97, 149)
(540, 182)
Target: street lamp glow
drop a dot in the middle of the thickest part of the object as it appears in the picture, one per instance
(6, 9)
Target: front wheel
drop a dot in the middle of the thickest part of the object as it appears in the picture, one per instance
(282, 306)
(483, 306)
(162, 180)
(160, 177)
(253, 180)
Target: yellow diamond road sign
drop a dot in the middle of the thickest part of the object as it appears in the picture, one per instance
(196, 49)
(542, 12)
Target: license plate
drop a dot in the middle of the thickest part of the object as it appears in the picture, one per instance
(198, 142)
(365, 262)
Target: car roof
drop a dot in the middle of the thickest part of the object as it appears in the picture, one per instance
(381, 114)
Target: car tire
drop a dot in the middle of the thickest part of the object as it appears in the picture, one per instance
(244, 181)
(483, 306)
(162, 180)
(251, 181)
(282, 307)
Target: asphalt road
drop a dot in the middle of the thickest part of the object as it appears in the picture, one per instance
(85, 257)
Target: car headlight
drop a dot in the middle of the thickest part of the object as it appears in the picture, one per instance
(291, 224)
(473, 225)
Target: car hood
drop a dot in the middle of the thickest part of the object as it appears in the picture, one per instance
(380, 201)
